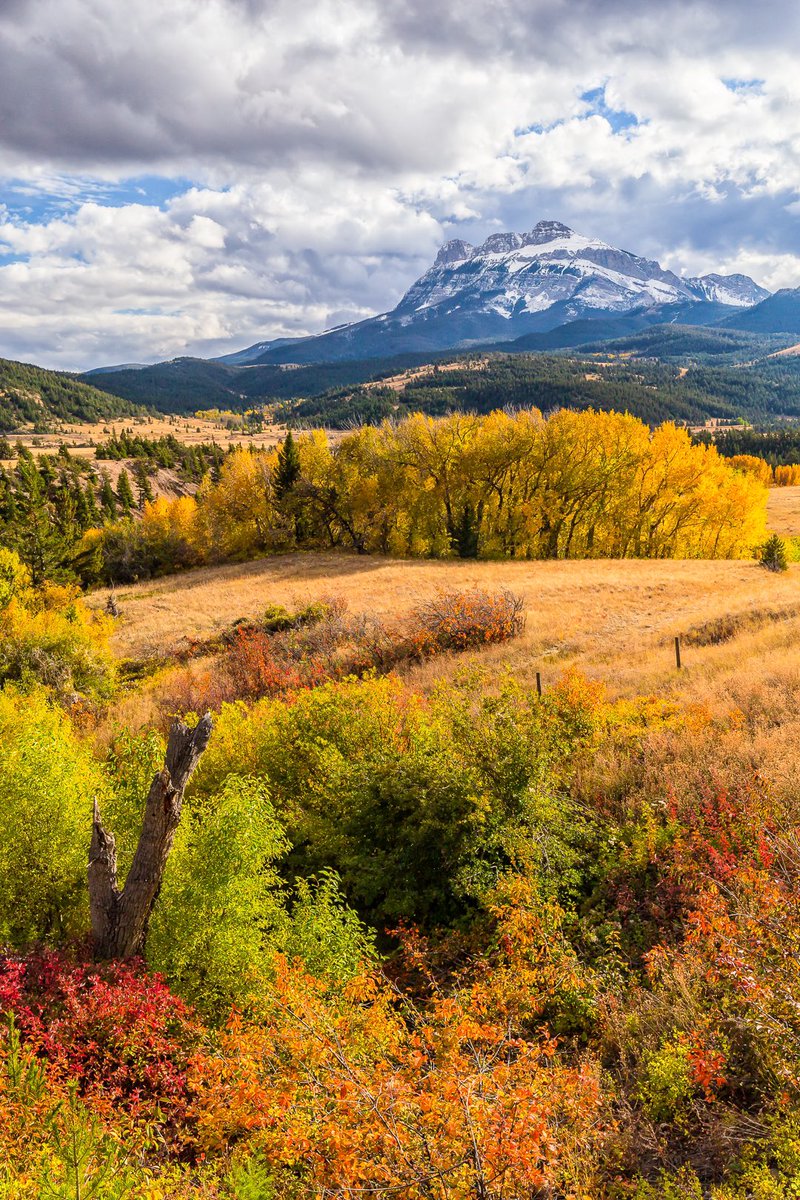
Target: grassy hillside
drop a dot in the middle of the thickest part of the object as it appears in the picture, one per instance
(32, 395)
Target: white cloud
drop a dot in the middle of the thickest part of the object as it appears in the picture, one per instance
(335, 143)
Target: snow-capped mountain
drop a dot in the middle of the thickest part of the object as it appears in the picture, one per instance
(518, 283)
(513, 273)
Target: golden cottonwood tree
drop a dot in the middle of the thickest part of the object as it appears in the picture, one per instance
(576, 485)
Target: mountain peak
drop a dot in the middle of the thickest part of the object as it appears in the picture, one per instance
(456, 250)
(546, 231)
(516, 284)
(453, 251)
(500, 243)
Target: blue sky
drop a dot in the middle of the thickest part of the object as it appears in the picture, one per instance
(198, 177)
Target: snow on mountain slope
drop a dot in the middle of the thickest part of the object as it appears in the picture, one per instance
(516, 284)
(512, 273)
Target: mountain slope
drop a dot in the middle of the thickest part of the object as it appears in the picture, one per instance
(779, 313)
(653, 391)
(515, 285)
(31, 395)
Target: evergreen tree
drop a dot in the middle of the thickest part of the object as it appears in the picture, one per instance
(108, 501)
(287, 471)
(142, 482)
(92, 510)
(35, 535)
(82, 518)
(285, 481)
(465, 533)
(773, 554)
(124, 492)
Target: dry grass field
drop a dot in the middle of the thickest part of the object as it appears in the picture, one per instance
(783, 511)
(615, 620)
(81, 438)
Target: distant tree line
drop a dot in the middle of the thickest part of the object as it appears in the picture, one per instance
(779, 447)
(190, 462)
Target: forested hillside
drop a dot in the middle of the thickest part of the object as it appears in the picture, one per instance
(187, 385)
(689, 386)
(694, 342)
(32, 396)
(653, 391)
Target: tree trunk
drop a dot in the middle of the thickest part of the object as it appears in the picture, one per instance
(120, 916)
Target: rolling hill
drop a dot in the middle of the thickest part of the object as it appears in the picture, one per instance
(31, 395)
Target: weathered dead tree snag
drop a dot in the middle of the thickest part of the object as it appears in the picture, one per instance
(120, 916)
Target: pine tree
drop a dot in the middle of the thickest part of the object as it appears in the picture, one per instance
(125, 492)
(35, 535)
(773, 554)
(284, 481)
(82, 518)
(142, 483)
(108, 501)
(465, 533)
(287, 471)
(92, 510)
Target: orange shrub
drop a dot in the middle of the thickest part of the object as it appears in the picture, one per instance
(462, 1095)
(461, 620)
(263, 663)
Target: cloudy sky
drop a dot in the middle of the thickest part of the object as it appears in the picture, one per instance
(192, 176)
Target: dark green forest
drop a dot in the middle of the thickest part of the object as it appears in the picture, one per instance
(31, 395)
(651, 390)
(187, 385)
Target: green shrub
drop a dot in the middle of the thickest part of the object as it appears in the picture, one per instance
(773, 554)
(220, 898)
(418, 807)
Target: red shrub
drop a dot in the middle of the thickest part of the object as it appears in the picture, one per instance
(116, 1030)
(259, 663)
(252, 667)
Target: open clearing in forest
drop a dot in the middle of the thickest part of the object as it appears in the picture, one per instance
(80, 439)
(783, 509)
(577, 610)
(613, 620)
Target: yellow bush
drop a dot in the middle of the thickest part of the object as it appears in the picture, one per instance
(50, 635)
